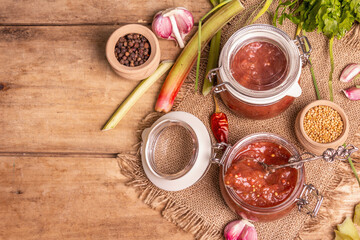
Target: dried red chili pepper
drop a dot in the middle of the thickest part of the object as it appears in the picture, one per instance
(219, 124)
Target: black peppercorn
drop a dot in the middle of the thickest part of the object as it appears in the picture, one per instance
(132, 50)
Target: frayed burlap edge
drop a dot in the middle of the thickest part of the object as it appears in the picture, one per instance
(352, 38)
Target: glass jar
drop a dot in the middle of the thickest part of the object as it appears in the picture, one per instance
(277, 96)
(246, 210)
(201, 153)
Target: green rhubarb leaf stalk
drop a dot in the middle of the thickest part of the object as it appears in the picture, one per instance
(298, 30)
(212, 62)
(262, 11)
(214, 2)
(200, 39)
(136, 94)
(213, 57)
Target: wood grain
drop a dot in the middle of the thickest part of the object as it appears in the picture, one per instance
(66, 12)
(67, 198)
(59, 91)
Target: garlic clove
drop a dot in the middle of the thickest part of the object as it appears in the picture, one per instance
(240, 230)
(350, 72)
(352, 93)
(162, 27)
(249, 233)
(185, 21)
(173, 23)
(233, 230)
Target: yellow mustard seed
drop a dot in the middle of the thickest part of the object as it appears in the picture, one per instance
(323, 124)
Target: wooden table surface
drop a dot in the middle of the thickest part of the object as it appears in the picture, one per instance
(59, 176)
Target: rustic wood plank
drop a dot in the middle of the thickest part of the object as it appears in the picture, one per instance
(63, 12)
(85, 198)
(64, 198)
(59, 91)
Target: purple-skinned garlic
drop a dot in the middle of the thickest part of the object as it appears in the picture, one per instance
(240, 230)
(173, 24)
(352, 93)
(350, 72)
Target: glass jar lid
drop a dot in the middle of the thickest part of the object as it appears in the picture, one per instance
(276, 37)
(176, 151)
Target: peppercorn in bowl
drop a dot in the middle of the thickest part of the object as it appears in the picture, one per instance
(321, 125)
(133, 52)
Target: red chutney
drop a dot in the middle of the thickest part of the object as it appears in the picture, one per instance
(259, 66)
(252, 183)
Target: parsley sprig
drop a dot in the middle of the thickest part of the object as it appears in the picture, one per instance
(333, 18)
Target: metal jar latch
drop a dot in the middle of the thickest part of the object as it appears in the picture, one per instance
(217, 148)
(219, 87)
(330, 155)
(305, 199)
(305, 47)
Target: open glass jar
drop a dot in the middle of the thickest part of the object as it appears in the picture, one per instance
(266, 87)
(158, 145)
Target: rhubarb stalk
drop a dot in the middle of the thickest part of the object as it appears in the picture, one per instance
(200, 38)
(136, 94)
(187, 58)
(213, 58)
(262, 11)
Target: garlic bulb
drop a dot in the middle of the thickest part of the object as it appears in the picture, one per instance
(240, 230)
(173, 24)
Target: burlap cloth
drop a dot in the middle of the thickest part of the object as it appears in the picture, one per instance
(200, 209)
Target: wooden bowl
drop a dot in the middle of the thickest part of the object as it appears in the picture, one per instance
(139, 72)
(307, 142)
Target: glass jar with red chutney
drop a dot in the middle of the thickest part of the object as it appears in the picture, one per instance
(259, 71)
(254, 193)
